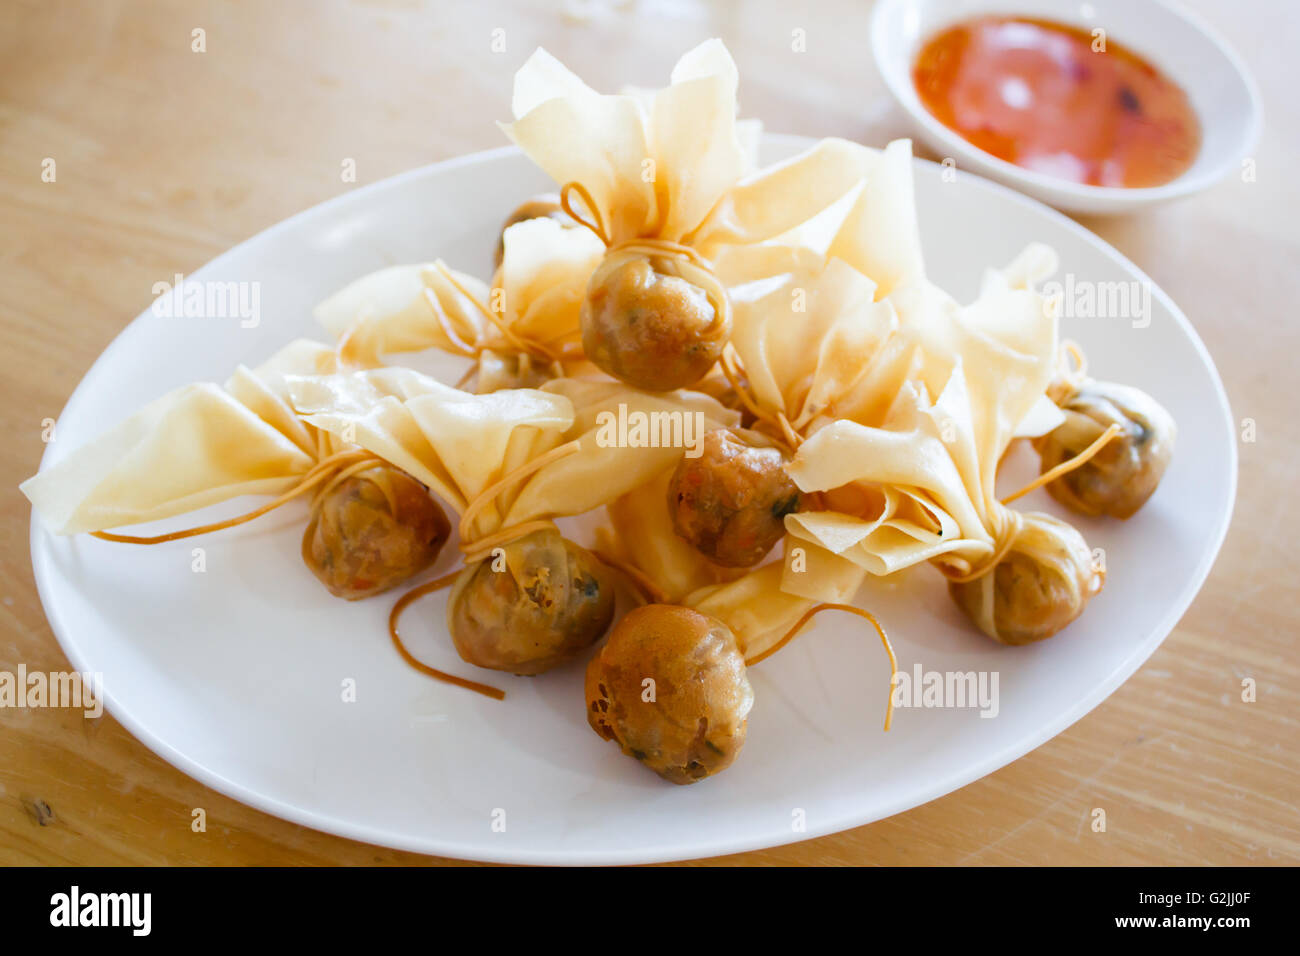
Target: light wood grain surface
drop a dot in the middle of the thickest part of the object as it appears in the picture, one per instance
(166, 157)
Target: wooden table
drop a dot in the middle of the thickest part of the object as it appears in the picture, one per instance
(165, 157)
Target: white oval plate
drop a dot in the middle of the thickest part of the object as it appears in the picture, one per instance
(235, 674)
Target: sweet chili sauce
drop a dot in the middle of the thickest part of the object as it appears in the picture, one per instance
(1058, 100)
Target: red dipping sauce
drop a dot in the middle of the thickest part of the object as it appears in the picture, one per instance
(1037, 94)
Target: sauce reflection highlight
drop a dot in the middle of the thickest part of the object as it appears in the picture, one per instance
(1056, 100)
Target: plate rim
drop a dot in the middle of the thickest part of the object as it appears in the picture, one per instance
(668, 853)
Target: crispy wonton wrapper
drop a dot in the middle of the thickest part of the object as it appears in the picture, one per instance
(807, 329)
(920, 485)
(460, 444)
(675, 164)
(193, 447)
(404, 309)
(534, 302)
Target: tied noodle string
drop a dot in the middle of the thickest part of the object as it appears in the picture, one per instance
(476, 548)
(460, 346)
(480, 549)
(352, 460)
(727, 363)
(520, 343)
(687, 262)
(817, 609)
(1009, 521)
(464, 379)
(793, 437)
(597, 222)
(318, 435)
(1069, 465)
(322, 492)
(1074, 361)
(457, 343)
(791, 434)
(343, 474)
(785, 432)
(347, 343)
(1073, 366)
(394, 616)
